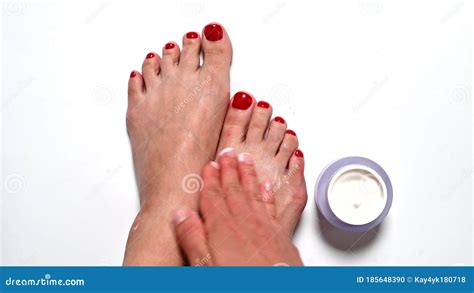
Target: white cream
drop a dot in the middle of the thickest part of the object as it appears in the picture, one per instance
(357, 195)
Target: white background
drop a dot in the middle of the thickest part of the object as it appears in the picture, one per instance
(389, 80)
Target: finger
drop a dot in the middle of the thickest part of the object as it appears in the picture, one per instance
(248, 176)
(268, 197)
(234, 195)
(212, 203)
(191, 237)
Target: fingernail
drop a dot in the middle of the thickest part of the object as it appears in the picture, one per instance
(215, 165)
(290, 132)
(263, 104)
(267, 186)
(150, 55)
(299, 153)
(228, 150)
(266, 190)
(241, 101)
(192, 35)
(279, 120)
(245, 158)
(169, 46)
(213, 32)
(133, 74)
(180, 217)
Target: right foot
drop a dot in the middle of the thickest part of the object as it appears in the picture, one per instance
(248, 129)
(175, 112)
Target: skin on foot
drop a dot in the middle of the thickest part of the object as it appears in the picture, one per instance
(237, 228)
(248, 128)
(176, 107)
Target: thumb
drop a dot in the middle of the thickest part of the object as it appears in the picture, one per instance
(191, 237)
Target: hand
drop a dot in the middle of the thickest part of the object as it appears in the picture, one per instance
(237, 228)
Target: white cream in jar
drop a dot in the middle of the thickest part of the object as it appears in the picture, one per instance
(354, 194)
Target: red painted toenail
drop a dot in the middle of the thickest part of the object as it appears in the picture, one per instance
(213, 32)
(169, 46)
(279, 119)
(290, 132)
(263, 104)
(150, 55)
(133, 74)
(242, 101)
(299, 153)
(192, 35)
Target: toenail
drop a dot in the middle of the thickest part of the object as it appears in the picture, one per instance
(279, 120)
(133, 74)
(242, 101)
(299, 153)
(192, 35)
(291, 132)
(150, 55)
(213, 32)
(263, 104)
(227, 150)
(169, 46)
(245, 158)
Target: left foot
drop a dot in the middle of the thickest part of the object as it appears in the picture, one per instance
(175, 112)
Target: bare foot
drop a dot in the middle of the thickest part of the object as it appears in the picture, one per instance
(176, 107)
(238, 229)
(280, 165)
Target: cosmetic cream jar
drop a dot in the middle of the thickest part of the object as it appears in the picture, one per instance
(354, 194)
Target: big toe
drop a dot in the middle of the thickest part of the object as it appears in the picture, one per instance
(216, 46)
(237, 120)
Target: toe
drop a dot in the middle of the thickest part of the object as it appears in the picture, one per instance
(216, 46)
(151, 68)
(135, 88)
(259, 122)
(170, 59)
(275, 136)
(287, 148)
(296, 191)
(237, 120)
(189, 59)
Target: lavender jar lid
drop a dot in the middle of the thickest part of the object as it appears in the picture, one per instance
(331, 174)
